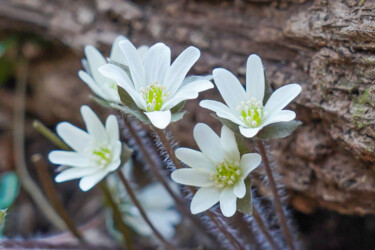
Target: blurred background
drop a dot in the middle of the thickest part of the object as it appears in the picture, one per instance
(328, 47)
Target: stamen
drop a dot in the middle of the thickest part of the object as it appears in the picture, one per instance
(154, 95)
(227, 173)
(251, 112)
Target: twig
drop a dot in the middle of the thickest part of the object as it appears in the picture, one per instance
(140, 208)
(117, 215)
(263, 228)
(278, 206)
(53, 195)
(19, 152)
(47, 133)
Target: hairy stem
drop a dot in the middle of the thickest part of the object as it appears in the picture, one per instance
(263, 228)
(141, 210)
(278, 206)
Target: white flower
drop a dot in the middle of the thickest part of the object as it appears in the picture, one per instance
(218, 169)
(96, 152)
(246, 108)
(155, 85)
(100, 85)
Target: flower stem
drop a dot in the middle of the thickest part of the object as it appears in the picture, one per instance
(141, 210)
(278, 206)
(47, 133)
(263, 228)
(168, 147)
(52, 194)
(161, 178)
(117, 216)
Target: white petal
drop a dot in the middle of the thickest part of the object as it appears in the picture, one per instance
(68, 158)
(86, 183)
(203, 199)
(75, 137)
(93, 125)
(208, 142)
(191, 177)
(95, 60)
(164, 221)
(159, 119)
(155, 196)
(249, 162)
(282, 97)
(194, 159)
(279, 116)
(122, 79)
(221, 110)
(228, 202)
(74, 173)
(115, 164)
(116, 53)
(136, 66)
(229, 87)
(255, 83)
(142, 52)
(180, 67)
(239, 189)
(249, 132)
(188, 92)
(111, 126)
(228, 143)
(91, 83)
(157, 62)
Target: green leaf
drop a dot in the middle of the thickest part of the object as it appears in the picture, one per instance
(278, 130)
(3, 213)
(245, 204)
(125, 98)
(177, 116)
(9, 189)
(241, 144)
(178, 107)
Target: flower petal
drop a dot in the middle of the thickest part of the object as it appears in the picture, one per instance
(203, 199)
(122, 79)
(249, 162)
(164, 221)
(155, 196)
(282, 97)
(239, 189)
(228, 202)
(208, 142)
(86, 183)
(159, 119)
(68, 158)
(136, 66)
(279, 116)
(229, 144)
(95, 60)
(91, 83)
(194, 159)
(157, 62)
(94, 126)
(221, 110)
(249, 132)
(189, 91)
(191, 177)
(255, 83)
(180, 67)
(111, 126)
(75, 137)
(229, 87)
(142, 52)
(74, 173)
(116, 53)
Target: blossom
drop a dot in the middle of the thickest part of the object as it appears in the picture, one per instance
(218, 169)
(246, 108)
(102, 86)
(154, 84)
(96, 152)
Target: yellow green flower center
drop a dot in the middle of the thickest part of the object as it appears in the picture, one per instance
(154, 95)
(227, 173)
(251, 112)
(102, 156)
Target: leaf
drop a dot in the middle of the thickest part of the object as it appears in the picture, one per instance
(126, 153)
(137, 113)
(278, 130)
(9, 189)
(3, 213)
(177, 116)
(125, 98)
(245, 204)
(241, 144)
(267, 90)
(178, 107)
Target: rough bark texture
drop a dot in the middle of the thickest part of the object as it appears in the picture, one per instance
(326, 46)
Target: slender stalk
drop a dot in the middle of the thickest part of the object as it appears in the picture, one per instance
(263, 228)
(232, 239)
(47, 133)
(117, 216)
(53, 195)
(278, 206)
(141, 210)
(156, 172)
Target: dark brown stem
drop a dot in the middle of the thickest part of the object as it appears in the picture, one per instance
(156, 172)
(278, 206)
(52, 194)
(117, 216)
(232, 239)
(263, 228)
(140, 208)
